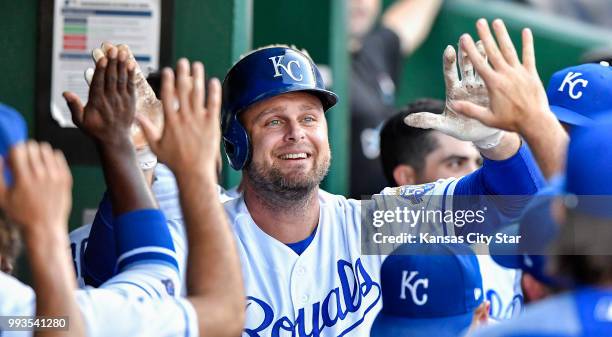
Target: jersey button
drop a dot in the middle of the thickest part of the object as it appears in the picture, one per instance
(300, 271)
(304, 298)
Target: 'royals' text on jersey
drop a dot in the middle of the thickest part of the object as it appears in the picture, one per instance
(331, 289)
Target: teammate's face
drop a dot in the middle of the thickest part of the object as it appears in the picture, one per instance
(362, 15)
(289, 142)
(452, 158)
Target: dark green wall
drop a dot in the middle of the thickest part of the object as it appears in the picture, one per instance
(559, 42)
(303, 23)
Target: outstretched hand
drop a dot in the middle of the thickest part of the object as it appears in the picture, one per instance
(109, 113)
(40, 197)
(517, 96)
(192, 134)
(470, 88)
(146, 101)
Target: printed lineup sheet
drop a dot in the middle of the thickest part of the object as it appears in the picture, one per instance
(81, 25)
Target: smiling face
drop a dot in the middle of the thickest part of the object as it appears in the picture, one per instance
(290, 148)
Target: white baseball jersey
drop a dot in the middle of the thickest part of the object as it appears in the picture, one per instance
(133, 303)
(331, 289)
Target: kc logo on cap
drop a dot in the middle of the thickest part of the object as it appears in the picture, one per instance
(572, 79)
(277, 63)
(577, 94)
(411, 284)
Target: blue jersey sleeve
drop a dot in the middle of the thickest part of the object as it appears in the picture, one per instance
(143, 236)
(100, 257)
(517, 175)
(504, 187)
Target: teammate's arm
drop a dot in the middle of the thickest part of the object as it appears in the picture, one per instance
(189, 145)
(107, 119)
(411, 20)
(39, 202)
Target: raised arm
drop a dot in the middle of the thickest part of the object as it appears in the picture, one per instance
(39, 203)
(411, 20)
(107, 119)
(189, 145)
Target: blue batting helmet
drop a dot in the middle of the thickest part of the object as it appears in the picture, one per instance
(260, 75)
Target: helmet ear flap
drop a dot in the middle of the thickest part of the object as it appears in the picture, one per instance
(236, 144)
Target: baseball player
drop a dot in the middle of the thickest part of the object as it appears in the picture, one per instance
(300, 246)
(577, 95)
(580, 248)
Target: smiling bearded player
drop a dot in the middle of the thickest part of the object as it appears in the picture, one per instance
(300, 246)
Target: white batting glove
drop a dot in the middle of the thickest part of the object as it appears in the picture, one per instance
(470, 88)
(146, 104)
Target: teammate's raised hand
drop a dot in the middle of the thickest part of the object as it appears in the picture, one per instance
(109, 113)
(40, 197)
(146, 101)
(470, 88)
(517, 95)
(191, 135)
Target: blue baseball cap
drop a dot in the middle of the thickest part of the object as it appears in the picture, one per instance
(428, 290)
(576, 94)
(13, 130)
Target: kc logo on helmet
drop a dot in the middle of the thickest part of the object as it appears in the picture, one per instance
(277, 62)
(572, 79)
(412, 286)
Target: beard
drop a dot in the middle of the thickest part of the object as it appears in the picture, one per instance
(278, 187)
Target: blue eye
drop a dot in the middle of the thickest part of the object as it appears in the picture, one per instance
(274, 122)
